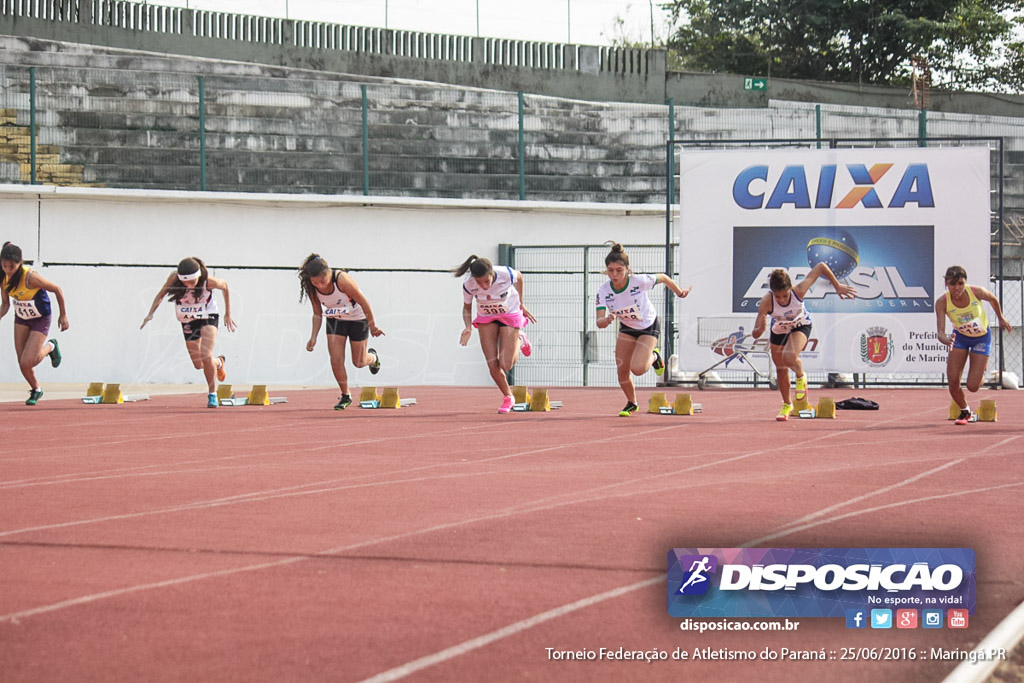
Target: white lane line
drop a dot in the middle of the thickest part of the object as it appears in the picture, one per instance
(1006, 636)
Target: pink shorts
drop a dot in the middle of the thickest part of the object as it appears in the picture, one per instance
(517, 320)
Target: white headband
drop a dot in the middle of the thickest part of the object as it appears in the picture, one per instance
(193, 276)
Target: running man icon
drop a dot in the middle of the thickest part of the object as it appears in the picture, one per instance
(698, 570)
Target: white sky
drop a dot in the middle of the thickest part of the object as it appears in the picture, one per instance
(587, 22)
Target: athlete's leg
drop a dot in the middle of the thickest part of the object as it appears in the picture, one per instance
(955, 363)
(508, 347)
(336, 350)
(29, 346)
(976, 371)
(643, 354)
(489, 334)
(625, 346)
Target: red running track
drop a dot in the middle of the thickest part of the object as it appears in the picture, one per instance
(164, 541)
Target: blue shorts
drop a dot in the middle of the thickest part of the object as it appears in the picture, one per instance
(980, 345)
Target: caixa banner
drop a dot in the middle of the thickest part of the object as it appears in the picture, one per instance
(817, 582)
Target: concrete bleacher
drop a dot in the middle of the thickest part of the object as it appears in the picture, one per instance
(131, 119)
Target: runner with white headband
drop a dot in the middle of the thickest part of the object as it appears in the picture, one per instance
(191, 290)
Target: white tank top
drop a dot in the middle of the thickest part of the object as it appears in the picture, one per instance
(500, 298)
(338, 305)
(792, 315)
(190, 307)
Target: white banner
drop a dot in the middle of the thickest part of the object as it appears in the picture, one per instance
(886, 221)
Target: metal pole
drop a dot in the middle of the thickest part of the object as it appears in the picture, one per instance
(477, 18)
(568, 21)
(586, 320)
(202, 133)
(1002, 363)
(817, 123)
(32, 121)
(522, 152)
(366, 145)
(670, 190)
(385, 14)
(651, 4)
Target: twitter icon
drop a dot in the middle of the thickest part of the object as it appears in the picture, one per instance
(881, 618)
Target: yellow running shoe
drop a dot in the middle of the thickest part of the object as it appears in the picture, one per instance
(801, 387)
(783, 415)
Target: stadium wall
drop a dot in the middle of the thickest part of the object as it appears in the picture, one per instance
(110, 251)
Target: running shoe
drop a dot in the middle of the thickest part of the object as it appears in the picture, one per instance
(966, 416)
(55, 354)
(211, 401)
(658, 364)
(506, 405)
(375, 365)
(34, 396)
(628, 410)
(222, 374)
(783, 415)
(344, 402)
(524, 343)
(801, 387)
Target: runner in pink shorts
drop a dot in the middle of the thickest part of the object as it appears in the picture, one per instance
(501, 317)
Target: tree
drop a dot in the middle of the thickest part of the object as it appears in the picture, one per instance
(967, 43)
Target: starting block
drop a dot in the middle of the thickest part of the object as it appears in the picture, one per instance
(801, 405)
(987, 411)
(224, 391)
(657, 402)
(682, 405)
(389, 398)
(954, 411)
(110, 394)
(538, 401)
(826, 408)
(257, 397)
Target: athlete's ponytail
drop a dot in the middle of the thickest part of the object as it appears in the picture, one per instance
(313, 266)
(479, 267)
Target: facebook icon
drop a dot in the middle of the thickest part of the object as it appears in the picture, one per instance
(856, 618)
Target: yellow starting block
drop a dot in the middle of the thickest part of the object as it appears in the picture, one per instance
(657, 402)
(954, 411)
(801, 405)
(682, 405)
(369, 397)
(826, 408)
(258, 396)
(224, 391)
(110, 394)
(987, 411)
(536, 401)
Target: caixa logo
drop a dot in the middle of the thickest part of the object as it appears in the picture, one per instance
(806, 188)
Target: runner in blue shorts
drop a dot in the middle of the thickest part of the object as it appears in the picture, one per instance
(971, 336)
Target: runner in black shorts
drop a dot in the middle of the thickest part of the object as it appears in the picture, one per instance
(334, 294)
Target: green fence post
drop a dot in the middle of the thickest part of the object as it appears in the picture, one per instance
(507, 257)
(202, 134)
(670, 190)
(922, 128)
(586, 318)
(366, 144)
(817, 129)
(522, 152)
(32, 121)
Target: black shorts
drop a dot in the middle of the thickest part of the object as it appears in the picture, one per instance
(193, 329)
(654, 330)
(355, 330)
(781, 339)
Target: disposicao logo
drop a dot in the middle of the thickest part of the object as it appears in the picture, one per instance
(817, 582)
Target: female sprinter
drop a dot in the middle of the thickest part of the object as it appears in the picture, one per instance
(334, 293)
(791, 326)
(625, 296)
(500, 317)
(191, 290)
(971, 336)
(28, 289)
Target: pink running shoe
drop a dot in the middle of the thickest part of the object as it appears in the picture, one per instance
(524, 343)
(506, 405)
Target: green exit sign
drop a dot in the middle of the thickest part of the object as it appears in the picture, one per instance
(755, 83)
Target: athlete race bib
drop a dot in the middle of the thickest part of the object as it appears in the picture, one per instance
(631, 313)
(492, 307)
(26, 310)
(188, 312)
